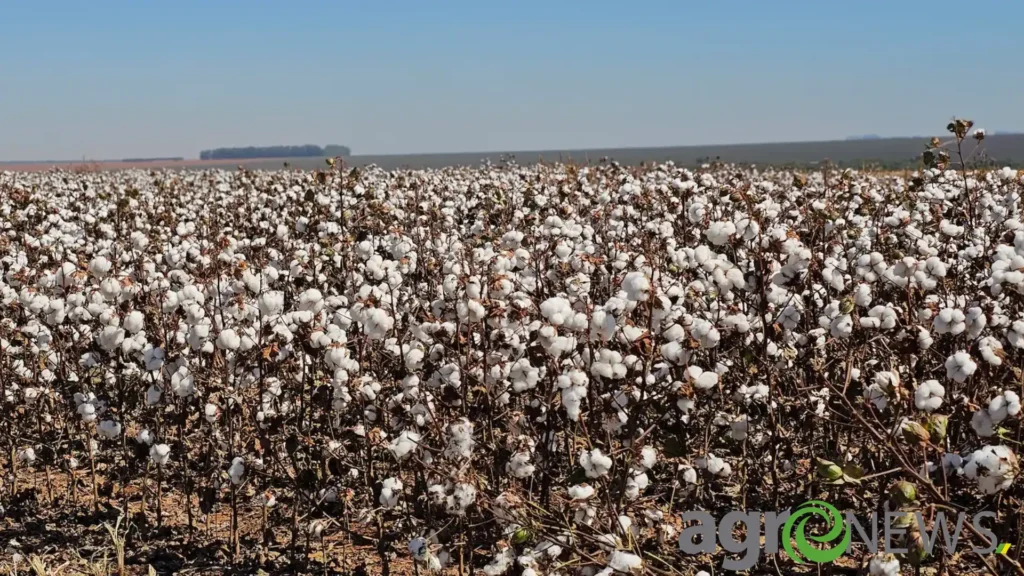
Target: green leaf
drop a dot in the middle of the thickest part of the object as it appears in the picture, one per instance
(852, 474)
(829, 470)
(853, 471)
(521, 536)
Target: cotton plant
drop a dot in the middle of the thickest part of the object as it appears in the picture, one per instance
(454, 340)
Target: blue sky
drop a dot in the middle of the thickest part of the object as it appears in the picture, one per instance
(107, 79)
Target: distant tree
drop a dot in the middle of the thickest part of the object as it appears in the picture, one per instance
(250, 152)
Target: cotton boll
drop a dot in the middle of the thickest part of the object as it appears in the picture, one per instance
(500, 564)
(405, 444)
(523, 375)
(211, 412)
(271, 303)
(198, 335)
(419, 548)
(841, 326)
(182, 382)
(738, 322)
(110, 338)
(556, 310)
(425, 558)
(228, 340)
(581, 492)
(99, 266)
(594, 463)
(928, 396)
(160, 454)
(414, 359)
(519, 465)
(64, 277)
(715, 465)
(994, 468)
(862, 295)
(109, 429)
(991, 351)
(718, 233)
(170, 302)
(460, 440)
(572, 399)
(608, 365)
(635, 485)
(648, 457)
(889, 381)
(463, 496)
(87, 411)
(637, 287)
(315, 528)
(877, 396)
(110, 288)
(705, 333)
(311, 301)
(153, 394)
(982, 424)
(134, 322)
(702, 380)
(153, 358)
(236, 470)
(960, 367)
(27, 456)
(622, 561)
(139, 241)
(752, 394)
(924, 339)
(884, 565)
(377, 323)
(390, 491)
(949, 321)
(1005, 405)
(1015, 336)
(950, 229)
(144, 436)
(975, 321)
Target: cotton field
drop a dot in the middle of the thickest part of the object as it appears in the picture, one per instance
(505, 370)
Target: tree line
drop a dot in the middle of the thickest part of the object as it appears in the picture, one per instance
(304, 151)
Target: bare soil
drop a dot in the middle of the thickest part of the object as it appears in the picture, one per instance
(55, 519)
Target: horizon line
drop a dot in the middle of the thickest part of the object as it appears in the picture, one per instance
(854, 138)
